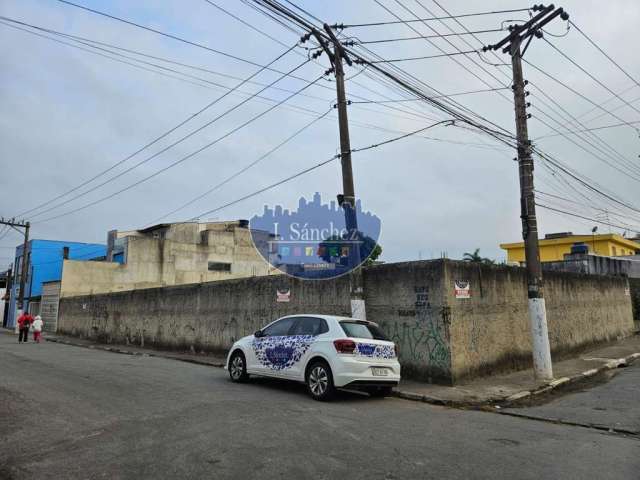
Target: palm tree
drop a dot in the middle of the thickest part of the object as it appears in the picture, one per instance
(475, 257)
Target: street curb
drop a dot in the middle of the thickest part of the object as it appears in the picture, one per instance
(523, 395)
(209, 363)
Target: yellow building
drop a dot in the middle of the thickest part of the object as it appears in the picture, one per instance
(555, 245)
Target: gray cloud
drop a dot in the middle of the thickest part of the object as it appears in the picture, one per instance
(66, 114)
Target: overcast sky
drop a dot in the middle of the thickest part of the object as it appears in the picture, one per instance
(67, 114)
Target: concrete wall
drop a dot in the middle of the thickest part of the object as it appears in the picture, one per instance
(440, 337)
(408, 301)
(634, 291)
(490, 330)
(202, 317)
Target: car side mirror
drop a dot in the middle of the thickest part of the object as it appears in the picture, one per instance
(258, 334)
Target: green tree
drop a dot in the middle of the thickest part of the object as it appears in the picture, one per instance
(475, 257)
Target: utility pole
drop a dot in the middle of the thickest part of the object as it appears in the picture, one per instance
(542, 365)
(24, 265)
(347, 199)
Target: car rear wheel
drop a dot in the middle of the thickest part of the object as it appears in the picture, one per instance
(238, 367)
(380, 392)
(320, 381)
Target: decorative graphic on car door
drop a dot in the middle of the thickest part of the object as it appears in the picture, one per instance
(281, 352)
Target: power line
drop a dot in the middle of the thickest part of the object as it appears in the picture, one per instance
(252, 27)
(404, 39)
(574, 91)
(154, 141)
(558, 197)
(546, 207)
(307, 170)
(375, 24)
(556, 163)
(591, 76)
(449, 95)
(406, 135)
(164, 34)
(604, 53)
(181, 160)
(622, 160)
(427, 57)
(244, 169)
(180, 140)
(603, 127)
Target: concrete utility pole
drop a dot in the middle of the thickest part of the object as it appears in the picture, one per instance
(348, 197)
(542, 365)
(537, 309)
(24, 266)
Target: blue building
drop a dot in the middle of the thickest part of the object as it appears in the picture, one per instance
(44, 264)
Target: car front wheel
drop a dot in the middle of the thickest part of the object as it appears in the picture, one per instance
(320, 381)
(238, 367)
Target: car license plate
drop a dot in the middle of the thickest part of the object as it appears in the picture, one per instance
(379, 372)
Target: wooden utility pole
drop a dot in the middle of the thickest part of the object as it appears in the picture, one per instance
(348, 197)
(542, 365)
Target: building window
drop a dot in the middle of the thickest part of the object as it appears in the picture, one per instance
(219, 267)
(614, 251)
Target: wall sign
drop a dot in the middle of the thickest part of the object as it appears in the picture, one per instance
(283, 295)
(462, 289)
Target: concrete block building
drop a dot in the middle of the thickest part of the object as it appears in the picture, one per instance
(167, 254)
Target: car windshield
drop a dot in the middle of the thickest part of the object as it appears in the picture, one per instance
(362, 330)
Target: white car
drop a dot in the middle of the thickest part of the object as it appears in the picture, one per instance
(325, 352)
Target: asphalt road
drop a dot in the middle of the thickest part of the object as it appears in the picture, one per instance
(612, 405)
(70, 412)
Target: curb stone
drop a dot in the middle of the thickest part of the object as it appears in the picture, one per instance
(140, 354)
(516, 397)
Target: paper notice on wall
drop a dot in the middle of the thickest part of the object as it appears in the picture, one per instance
(462, 289)
(627, 292)
(283, 295)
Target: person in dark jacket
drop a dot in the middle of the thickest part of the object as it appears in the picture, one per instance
(24, 322)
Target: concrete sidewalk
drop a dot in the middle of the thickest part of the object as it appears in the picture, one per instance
(203, 359)
(520, 387)
(496, 390)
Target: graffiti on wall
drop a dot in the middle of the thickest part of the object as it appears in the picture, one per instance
(426, 339)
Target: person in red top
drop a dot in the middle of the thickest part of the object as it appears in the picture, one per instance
(24, 322)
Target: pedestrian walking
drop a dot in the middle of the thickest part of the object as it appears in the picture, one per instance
(24, 323)
(37, 328)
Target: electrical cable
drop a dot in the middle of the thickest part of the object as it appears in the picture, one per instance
(604, 53)
(307, 170)
(584, 97)
(602, 127)
(427, 57)
(154, 141)
(585, 218)
(181, 160)
(243, 169)
(591, 76)
(404, 39)
(375, 24)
